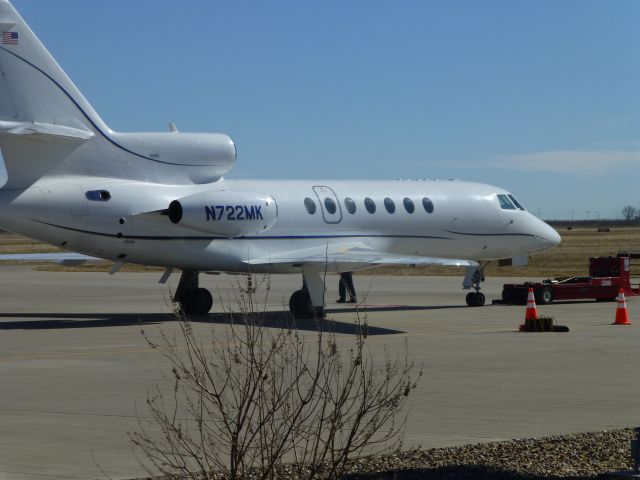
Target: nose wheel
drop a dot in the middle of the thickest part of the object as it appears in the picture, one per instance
(475, 299)
(473, 279)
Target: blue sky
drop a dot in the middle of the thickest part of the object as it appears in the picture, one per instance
(539, 97)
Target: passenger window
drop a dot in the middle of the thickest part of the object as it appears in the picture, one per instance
(408, 205)
(310, 205)
(515, 202)
(330, 205)
(389, 205)
(427, 204)
(370, 205)
(505, 203)
(350, 205)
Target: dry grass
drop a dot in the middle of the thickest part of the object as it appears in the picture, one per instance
(570, 258)
(96, 267)
(14, 243)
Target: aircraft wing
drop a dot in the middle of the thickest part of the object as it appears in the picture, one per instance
(356, 255)
(63, 258)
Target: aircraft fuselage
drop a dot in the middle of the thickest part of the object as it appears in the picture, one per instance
(128, 220)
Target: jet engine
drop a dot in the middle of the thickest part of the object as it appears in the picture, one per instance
(215, 153)
(227, 213)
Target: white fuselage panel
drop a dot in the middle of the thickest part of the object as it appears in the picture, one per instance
(128, 220)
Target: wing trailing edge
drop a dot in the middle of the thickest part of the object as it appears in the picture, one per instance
(63, 258)
(356, 255)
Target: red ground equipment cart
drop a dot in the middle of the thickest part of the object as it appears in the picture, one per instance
(606, 276)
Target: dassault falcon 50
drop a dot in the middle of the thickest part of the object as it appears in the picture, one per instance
(161, 199)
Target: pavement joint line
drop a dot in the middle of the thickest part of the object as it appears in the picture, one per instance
(44, 356)
(31, 474)
(54, 412)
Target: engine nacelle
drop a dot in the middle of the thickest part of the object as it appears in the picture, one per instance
(227, 213)
(215, 151)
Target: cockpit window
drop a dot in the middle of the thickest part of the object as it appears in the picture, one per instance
(505, 203)
(516, 202)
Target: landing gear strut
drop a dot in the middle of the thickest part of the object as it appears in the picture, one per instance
(473, 279)
(308, 302)
(192, 299)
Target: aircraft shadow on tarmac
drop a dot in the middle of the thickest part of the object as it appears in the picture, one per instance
(50, 321)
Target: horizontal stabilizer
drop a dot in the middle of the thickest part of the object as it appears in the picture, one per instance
(37, 128)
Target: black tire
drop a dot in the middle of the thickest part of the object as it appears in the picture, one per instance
(471, 299)
(475, 299)
(300, 304)
(198, 302)
(544, 296)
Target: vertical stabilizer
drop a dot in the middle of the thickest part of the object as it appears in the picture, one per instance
(48, 129)
(43, 116)
(33, 87)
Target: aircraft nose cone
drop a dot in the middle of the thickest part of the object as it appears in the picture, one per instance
(554, 237)
(550, 236)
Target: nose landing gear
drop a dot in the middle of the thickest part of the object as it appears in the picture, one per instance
(473, 279)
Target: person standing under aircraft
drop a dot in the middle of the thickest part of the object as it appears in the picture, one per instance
(346, 284)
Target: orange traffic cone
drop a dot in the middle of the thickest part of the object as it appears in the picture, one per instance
(622, 316)
(532, 311)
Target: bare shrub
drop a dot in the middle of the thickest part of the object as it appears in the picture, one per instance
(265, 402)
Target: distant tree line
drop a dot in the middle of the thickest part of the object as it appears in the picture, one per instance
(630, 213)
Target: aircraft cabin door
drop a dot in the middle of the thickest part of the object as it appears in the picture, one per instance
(329, 204)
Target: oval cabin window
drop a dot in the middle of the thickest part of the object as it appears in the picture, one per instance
(310, 205)
(370, 205)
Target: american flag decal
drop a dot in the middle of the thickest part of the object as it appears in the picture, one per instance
(10, 38)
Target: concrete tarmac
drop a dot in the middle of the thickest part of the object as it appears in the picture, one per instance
(74, 368)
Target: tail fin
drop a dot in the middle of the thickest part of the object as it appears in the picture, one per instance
(37, 100)
(48, 129)
(33, 86)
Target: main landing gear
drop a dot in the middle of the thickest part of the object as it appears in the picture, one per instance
(473, 279)
(192, 299)
(308, 302)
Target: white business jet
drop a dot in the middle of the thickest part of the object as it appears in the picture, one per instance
(161, 199)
